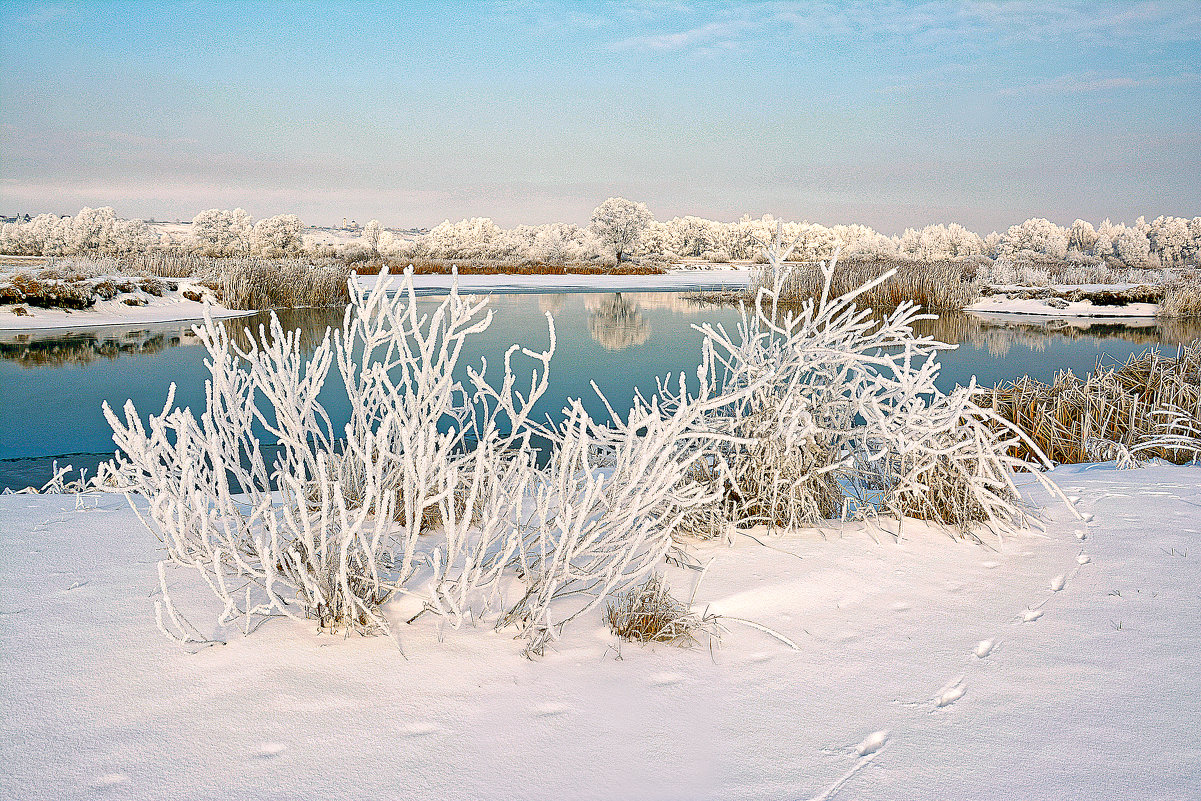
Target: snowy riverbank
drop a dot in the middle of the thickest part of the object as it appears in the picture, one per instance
(673, 281)
(171, 307)
(1053, 667)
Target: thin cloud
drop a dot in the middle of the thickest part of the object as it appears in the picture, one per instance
(1085, 83)
(722, 35)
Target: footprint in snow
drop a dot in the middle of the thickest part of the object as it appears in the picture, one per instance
(950, 695)
(110, 780)
(1031, 615)
(666, 679)
(874, 742)
(984, 648)
(552, 710)
(1058, 583)
(1083, 559)
(1080, 535)
(271, 750)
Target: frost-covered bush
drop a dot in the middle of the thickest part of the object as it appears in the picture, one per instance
(430, 490)
(841, 413)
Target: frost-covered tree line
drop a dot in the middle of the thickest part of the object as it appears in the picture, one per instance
(214, 232)
(621, 230)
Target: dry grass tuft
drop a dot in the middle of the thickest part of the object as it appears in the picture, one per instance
(650, 613)
(1150, 406)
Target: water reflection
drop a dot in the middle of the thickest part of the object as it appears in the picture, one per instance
(615, 322)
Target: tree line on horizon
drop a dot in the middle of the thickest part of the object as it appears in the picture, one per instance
(619, 230)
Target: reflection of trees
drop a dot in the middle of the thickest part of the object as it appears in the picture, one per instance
(616, 323)
(60, 348)
(997, 336)
(86, 347)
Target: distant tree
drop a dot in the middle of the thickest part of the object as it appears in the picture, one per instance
(1082, 236)
(218, 232)
(1036, 236)
(1170, 240)
(371, 233)
(278, 236)
(92, 230)
(619, 223)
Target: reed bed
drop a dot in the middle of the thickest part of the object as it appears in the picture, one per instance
(1181, 299)
(935, 285)
(248, 283)
(1150, 406)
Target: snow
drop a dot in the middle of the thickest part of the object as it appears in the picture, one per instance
(998, 304)
(916, 675)
(171, 307)
(674, 281)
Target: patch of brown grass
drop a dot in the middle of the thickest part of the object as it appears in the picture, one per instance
(1150, 406)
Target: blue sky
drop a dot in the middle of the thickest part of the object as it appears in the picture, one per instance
(892, 114)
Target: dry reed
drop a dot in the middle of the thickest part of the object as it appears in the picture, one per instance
(930, 284)
(1150, 406)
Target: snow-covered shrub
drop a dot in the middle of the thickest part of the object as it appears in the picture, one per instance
(841, 410)
(328, 528)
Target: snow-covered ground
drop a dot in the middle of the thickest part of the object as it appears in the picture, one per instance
(674, 281)
(171, 307)
(1056, 666)
(999, 304)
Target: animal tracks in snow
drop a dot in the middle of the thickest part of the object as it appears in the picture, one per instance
(1058, 583)
(873, 743)
(984, 648)
(270, 750)
(110, 780)
(1031, 615)
(951, 693)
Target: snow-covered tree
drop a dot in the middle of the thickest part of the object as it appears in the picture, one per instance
(1082, 237)
(1036, 237)
(618, 223)
(1170, 239)
(278, 236)
(371, 234)
(92, 230)
(218, 232)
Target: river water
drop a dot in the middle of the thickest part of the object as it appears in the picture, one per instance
(52, 384)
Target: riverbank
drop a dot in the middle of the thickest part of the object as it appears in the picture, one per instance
(672, 281)
(171, 307)
(1055, 665)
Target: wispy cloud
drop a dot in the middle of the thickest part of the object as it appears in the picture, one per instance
(1088, 82)
(947, 22)
(713, 34)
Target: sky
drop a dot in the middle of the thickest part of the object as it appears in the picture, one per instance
(891, 114)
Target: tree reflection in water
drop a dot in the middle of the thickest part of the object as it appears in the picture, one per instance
(616, 323)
